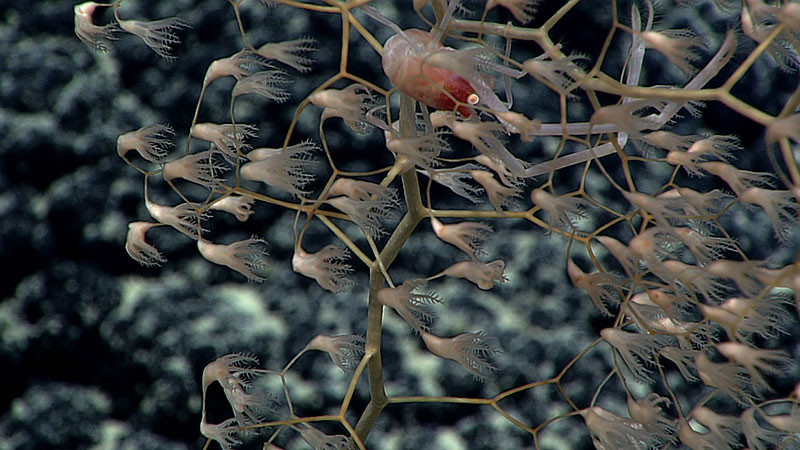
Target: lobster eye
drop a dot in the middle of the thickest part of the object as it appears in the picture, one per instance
(473, 99)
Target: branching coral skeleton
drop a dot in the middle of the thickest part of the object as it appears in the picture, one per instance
(671, 272)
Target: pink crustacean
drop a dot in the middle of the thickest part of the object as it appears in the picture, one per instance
(404, 63)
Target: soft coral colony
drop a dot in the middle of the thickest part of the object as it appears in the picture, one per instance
(688, 300)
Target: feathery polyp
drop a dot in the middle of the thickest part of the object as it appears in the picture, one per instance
(629, 117)
(725, 430)
(497, 166)
(719, 146)
(483, 135)
(610, 431)
(636, 349)
(599, 286)
(234, 373)
(471, 350)
(669, 141)
(139, 249)
(499, 196)
(557, 73)
(199, 168)
(367, 214)
(286, 170)
(466, 236)
(411, 306)
(760, 437)
(689, 161)
(651, 317)
(743, 273)
(703, 205)
(319, 440)
(238, 65)
(697, 209)
(561, 210)
(248, 257)
(705, 249)
(266, 83)
(238, 205)
(757, 361)
(299, 152)
(456, 179)
(223, 433)
(671, 304)
(649, 413)
(159, 35)
(621, 253)
(661, 208)
(743, 317)
(785, 276)
(350, 104)
(345, 350)
(96, 37)
(377, 200)
(679, 46)
(653, 244)
(727, 319)
(785, 127)
(364, 191)
(184, 217)
(151, 142)
(691, 278)
(738, 180)
(517, 123)
(422, 151)
(227, 138)
(779, 206)
(483, 275)
(694, 439)
(730, 378)
(682, 358)
(789, 15)
(327, 267)
(290, 52)
(789, 423)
